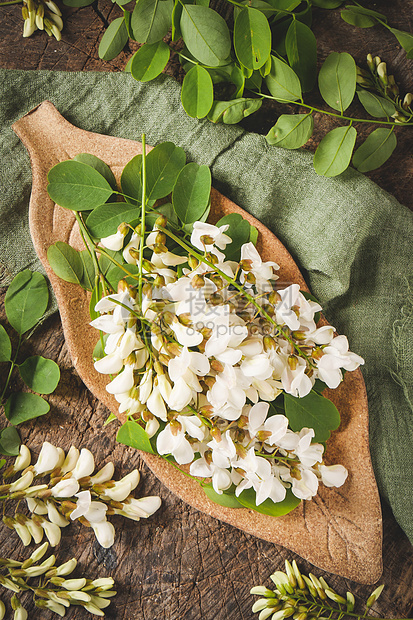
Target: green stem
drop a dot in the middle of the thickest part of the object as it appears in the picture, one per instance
(10, 2)
(12, 365)
(142, 243)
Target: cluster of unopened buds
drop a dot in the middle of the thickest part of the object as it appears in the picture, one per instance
(53, 590)
(72, 492)
(210, 345)
(303, 597)
(42, 15)
(378, 79)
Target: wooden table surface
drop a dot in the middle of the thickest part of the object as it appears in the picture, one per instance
(181, 564)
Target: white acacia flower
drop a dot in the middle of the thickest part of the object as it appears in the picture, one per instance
(262, 271)
(114, 242)
(174, 441)
(104, 474)
(104, 532)
(23, 482)
(70, 461)
(333, 475)
(55, 516)
(48, 459)
(336, 356)
(23, 459)
(221, 478)
(259, 475)
(258, 422)
(141, 508)
(308, 453)
(93, 511)
(85, 465)
(132, 245)
(123, 382)
(217, 234)
(306, 487)
(65, 488)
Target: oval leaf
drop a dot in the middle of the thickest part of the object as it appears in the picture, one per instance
(240, 232)
(99, 165)
(89, 273)
(114, 39)
(247, 499)
(164, 163)
(205, 34)
(357, 19)
(65, 262)
(231, 112)
(22, 406)
(76, 186)
(149, 61)
(376, 106)
(405, 39)
(191, 193)
(5, 345)
(377, 149)
(197, 93)
(333, 154)
(252, 38)
(9, 441)
(337, 80)
(312, 411)
(26, 300)
(104, 220)
(282, 82)
(301, 48)
(291, 131)
(226, 498)
(151, 20)
(131, 434)
(40, 374)
(130, 180)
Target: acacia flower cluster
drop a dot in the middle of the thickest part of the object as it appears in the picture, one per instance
(72, 492)
(53, 590)
(42, 15)
(203, 351)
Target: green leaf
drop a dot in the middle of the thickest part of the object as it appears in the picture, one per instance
(337, 80)
(111, 418)
(405, 39)
(22, 406)
(327, 4)
(333, 154)
(360, 10)
(231, 112)
(65, 262)
(114, 274)
(197, 94)
(5, 345)
(78, 3)
(377, 149)
(253, 235)
(2, 463)
(40, 374)
(191, 193)
(149, 61)
(176, 21)
(274, 509)
(239, 230)
(291, 131)
(130, 180)
(76, 186)
(99, 165)
(114, 39)
(226, 499)
(131, 434)
(9, 441)
(252, 38)
(285, 5)
(205, 34)
(282, 82)
(357, 19)
(151, 20)
(89, 275)
(312, 411)
(301, 48)
(26, 300)
(254, 82)
(104, 220)
(376, 106)
(238, 78)
(164, 164)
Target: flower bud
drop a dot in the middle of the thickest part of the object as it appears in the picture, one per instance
(374, 596)
(65, 488)
(22, 483)
(197, 281)
(105, 533)
(39, 552)
(370, 62)
(382, 73)
(66, 568)
(2, 610)
(84, 466)
(21, 462)
(52, 6)
(351, 601)
(47, 460)
(407, 101)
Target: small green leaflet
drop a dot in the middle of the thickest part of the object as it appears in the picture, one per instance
(23, 406)
(282, 82)
(337, 80)
(274, 509)
(164, 163)
(327, 4)
(149, 61)
(104, 220)
(312, 411)
(227, 498)
(76, 186)
(405, 39)
(301, 48)
(99, 165)
(231, 112)
(334, 152)
(239, 230)
(89, 275)
(191, 193)
(26, 300)
(197, 94)
(5, 345)
(131, 434)
(114, 39)
(252, 38)
(40, 374)
(291, 131)
(377, 149)
(130, 180)
(205, 34)
(376, 106)
(65, 262)
(151, 20)
(9, 441)
(357, 19)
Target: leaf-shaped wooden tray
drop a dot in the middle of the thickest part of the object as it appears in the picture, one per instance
(340, 530)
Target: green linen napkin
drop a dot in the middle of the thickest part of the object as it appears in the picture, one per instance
(351, 239)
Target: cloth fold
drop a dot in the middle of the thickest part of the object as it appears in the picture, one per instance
(351, 239)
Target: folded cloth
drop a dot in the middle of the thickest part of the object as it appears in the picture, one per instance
(351, 239)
